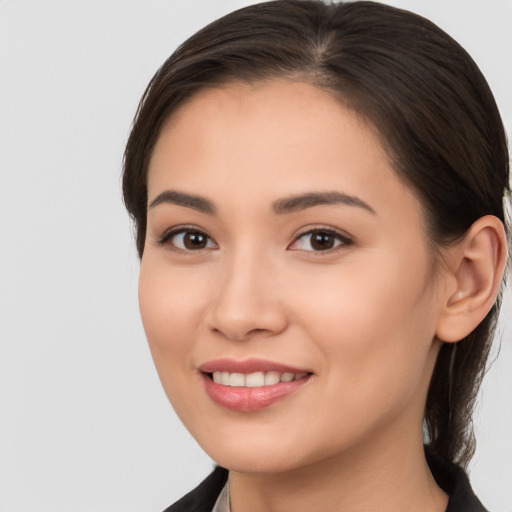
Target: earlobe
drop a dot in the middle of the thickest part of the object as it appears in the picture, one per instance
(478, 264)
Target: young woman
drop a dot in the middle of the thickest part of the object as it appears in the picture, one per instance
(318, 193)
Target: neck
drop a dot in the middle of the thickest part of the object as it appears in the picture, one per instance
(386, 476)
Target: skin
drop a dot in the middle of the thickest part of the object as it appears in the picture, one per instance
(361, 317)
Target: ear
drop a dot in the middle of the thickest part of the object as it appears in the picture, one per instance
(476, 268)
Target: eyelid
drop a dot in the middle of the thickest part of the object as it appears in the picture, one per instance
(345, 239)
(163, 240)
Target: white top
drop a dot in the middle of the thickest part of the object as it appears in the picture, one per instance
(222, 503)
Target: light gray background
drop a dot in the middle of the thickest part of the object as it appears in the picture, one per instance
(84, 423)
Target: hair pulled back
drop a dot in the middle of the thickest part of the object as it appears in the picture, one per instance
(427, 99)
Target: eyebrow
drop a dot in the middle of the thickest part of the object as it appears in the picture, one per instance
(198, 203)
(280, 207)
(309, 200)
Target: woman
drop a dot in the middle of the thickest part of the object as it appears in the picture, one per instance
(318, 197)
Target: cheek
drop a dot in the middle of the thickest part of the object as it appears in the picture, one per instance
(374, 325)
(170, 306)
(170, 303)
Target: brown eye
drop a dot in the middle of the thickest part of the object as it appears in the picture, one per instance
(322, 241)
(195, 240)
(188, 240)
(319, 240)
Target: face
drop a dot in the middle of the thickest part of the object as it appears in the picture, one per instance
(286, 287)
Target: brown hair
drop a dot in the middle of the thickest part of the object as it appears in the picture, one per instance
(421, 90)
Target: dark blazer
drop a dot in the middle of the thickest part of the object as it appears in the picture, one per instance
(451, 478)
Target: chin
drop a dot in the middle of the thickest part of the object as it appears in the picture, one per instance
(262, 452)
(252, 462)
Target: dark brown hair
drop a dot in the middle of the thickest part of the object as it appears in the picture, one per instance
(427, 99)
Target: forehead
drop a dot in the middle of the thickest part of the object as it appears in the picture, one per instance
(279, 106)
(278, 138)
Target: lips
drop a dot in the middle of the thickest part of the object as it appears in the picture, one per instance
(252, 384)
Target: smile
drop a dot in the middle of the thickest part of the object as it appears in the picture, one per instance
(256, 379)
(250, 385)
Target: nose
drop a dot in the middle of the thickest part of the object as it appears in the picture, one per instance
(246, 303)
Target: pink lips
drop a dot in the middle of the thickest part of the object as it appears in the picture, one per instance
(248, 366)
(249, 398)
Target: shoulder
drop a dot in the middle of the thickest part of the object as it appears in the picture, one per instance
(203, 497)
(454, 481)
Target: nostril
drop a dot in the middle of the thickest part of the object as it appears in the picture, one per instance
(241, 334)
(256, 331)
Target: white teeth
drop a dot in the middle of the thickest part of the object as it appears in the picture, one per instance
(272, 378)
(237, 379)
(255, 379)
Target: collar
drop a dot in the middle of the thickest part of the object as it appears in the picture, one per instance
(450, 477)
(222, 504)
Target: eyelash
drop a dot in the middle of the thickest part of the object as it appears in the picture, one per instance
(170, 234)
(344, 240)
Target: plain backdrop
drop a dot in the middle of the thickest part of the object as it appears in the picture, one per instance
(84, 423)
